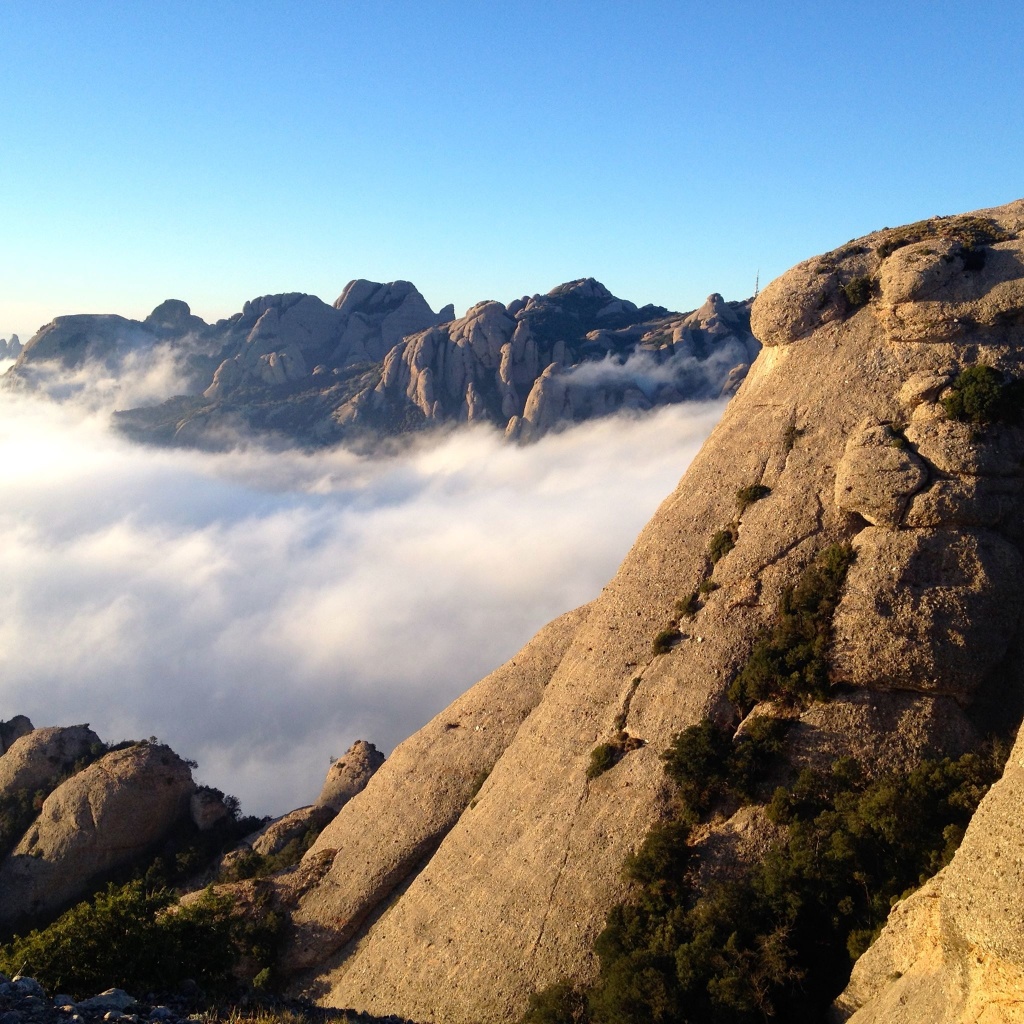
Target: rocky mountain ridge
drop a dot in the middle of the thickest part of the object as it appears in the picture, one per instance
(381, 363)
(840, 438)
(696, 796)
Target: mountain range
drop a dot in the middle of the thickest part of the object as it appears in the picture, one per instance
(379, 363)
(770, 772)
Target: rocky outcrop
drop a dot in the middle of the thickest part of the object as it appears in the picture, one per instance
(10, 348)
(349, 774)
(281, 338)
(379, 840)
(454, 909)
(40, 757)
(953, 952)
(547, 361)
(12, 730)
(100, 819)
(380, 362)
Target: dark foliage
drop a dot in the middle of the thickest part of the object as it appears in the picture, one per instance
(606, 756)
(746, 496)
(707, 764)
(665, 640)
(127, 937)
(775, 941)
(981, 395)
(722, 543)
(791, 660)
(259, 865)
(857, 291)
(971, 232)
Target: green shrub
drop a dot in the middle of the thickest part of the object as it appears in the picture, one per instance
(981, 395)
(258, 865)
(688, 606)
(857, 291)
(602, 758)
(971, 232)
(707, 587)
(722, 543)
(746, 496)
(775, 940)
(560, 1003)
(791, 659)
(606, 756)
(707, 763)
(665, 640)
(127, 937)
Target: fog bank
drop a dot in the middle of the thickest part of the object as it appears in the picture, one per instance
(259, 611)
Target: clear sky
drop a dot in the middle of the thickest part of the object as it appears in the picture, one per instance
(218, 151)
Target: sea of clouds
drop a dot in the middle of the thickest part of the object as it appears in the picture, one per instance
(260, 610)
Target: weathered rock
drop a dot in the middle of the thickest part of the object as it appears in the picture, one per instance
(40, 757)
(349, 775)
(381, 836)
(877, 475)
(98, 820)
(12, 730)
(927, 610)
(522, 875)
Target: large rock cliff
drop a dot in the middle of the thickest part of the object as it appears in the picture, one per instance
(450, 901)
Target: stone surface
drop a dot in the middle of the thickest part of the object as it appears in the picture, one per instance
(100, 819)
(506, 890)
(877, 475)
(39, 758)
(927, 610)
(349, 775)
(379, 838)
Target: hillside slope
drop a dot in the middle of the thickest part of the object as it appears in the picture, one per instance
(840, 426)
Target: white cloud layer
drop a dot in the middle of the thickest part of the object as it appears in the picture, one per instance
(259, 611)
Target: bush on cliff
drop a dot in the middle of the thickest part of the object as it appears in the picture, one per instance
(791, 659)
(776, 939)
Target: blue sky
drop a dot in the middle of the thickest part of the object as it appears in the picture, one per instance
(214, 152)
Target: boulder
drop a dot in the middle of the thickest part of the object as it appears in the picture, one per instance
(39, 758)
(349, 774)
(99, 820)
(12, 730)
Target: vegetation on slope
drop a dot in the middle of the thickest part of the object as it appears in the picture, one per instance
(129, 937)
(777, 939)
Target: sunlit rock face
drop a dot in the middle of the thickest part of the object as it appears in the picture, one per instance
(451, 900)
(547, 361)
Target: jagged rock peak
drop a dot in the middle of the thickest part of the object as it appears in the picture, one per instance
(373, 297)
(583, 288)
(349, 774)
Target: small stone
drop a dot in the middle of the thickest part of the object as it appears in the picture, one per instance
(28, 987)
